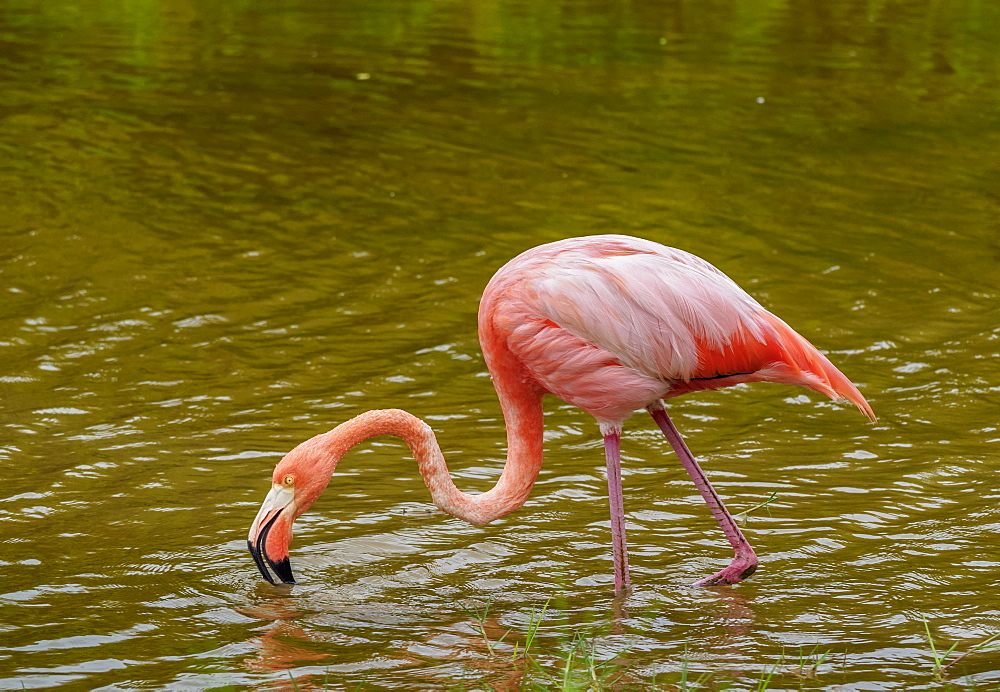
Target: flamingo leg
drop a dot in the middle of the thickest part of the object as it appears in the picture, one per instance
(612, 453)
(744, 560)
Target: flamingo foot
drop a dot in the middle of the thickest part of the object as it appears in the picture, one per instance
(739, 569)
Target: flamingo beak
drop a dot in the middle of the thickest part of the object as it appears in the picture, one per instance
(271, 534)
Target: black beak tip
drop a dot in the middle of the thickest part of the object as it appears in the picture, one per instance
(283, 569)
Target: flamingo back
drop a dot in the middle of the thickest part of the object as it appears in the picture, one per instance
(613, 323)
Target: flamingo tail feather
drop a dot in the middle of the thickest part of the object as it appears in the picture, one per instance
(804, 365)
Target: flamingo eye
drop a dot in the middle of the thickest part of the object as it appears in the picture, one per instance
(288, 481)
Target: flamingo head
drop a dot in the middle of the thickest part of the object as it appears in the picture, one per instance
(295, 485)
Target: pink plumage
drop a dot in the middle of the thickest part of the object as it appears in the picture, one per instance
(608, 323)
(611, 324)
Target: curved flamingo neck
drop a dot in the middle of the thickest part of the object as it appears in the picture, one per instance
(524, 457)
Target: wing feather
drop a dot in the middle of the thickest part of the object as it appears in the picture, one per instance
(655, 311)
(576, 311)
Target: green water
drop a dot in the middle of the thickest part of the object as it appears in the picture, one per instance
(228, 228)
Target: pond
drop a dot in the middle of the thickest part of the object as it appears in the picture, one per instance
(228, 228)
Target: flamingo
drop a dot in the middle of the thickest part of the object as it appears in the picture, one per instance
(608, 323)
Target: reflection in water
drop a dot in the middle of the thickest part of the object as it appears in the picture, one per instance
(487, 637)
(219, 240)
(477, 637)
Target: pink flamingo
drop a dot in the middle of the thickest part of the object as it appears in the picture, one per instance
(608, 323)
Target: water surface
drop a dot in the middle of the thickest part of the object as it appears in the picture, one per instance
(230, 228)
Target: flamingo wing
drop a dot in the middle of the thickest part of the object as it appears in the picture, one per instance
(656, 312)
(669, 322)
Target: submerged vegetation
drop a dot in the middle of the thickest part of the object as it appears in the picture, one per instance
(583, 661)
